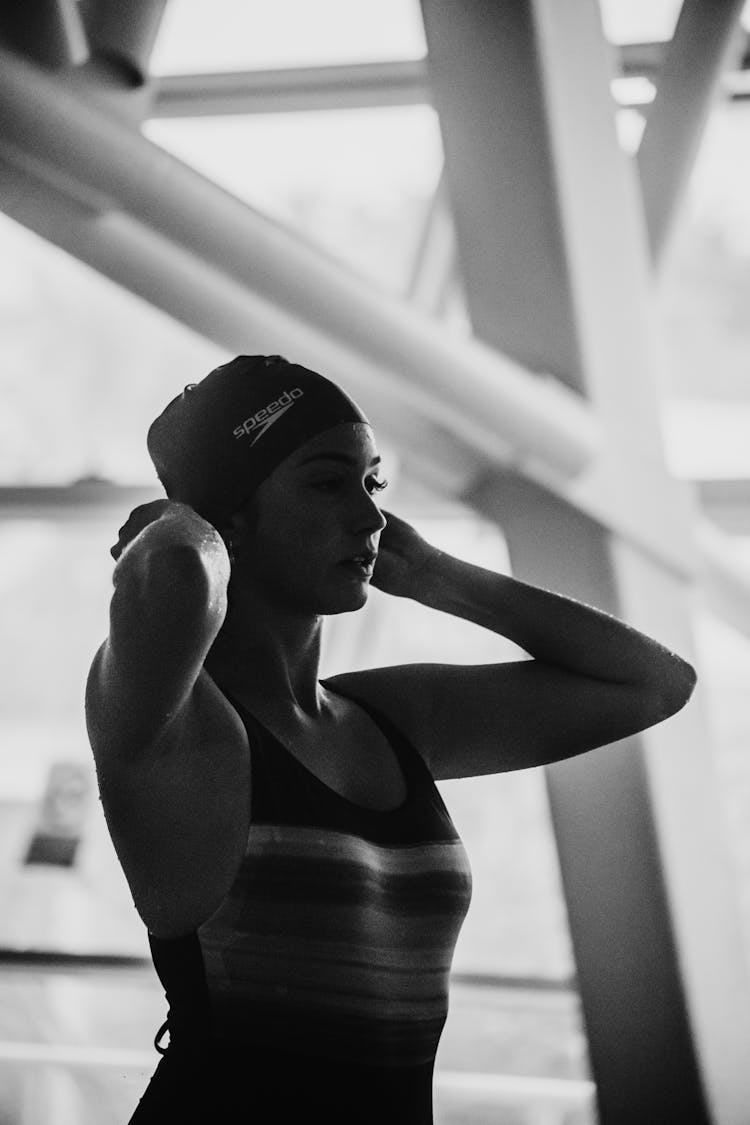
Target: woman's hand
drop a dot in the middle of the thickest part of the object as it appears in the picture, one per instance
(403, 559)
(139, 518)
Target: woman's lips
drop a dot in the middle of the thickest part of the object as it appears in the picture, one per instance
(363, 565)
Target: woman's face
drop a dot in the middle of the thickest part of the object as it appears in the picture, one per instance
(310, 532)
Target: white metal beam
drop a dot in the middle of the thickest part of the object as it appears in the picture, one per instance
(123, 35)
(546, 202)
(353, 86)
(646, 60)
(291, 90)
(242, 321)
(708, 40)
(726, 503)
(673, 791)
(489, 398)
(49, 31)
(723, 583)
(51, 197)
(435, 262)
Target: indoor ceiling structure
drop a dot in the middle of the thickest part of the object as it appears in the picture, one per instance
(145, 73)
(508, 356)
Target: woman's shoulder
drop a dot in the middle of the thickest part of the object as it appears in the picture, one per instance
(120, 739)
(393, 692)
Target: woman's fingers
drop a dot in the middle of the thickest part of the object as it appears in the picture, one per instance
(139, 518)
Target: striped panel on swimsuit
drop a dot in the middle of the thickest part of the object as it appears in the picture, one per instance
(336, 939)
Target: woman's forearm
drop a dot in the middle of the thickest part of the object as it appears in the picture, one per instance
(551, 627)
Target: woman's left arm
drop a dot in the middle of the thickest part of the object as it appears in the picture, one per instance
(592, 679)
(555, 629)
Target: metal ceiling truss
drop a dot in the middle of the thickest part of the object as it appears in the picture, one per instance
(79, 173)
(79, 34)
(56, 137)
(365, 85)
(708, 42)
(292, 90)
(550, 229)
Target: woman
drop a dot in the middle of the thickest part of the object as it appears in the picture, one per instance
(300, 878)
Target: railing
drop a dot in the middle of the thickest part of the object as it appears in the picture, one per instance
(82, 1084)
(50, 1093)
(466, 1098)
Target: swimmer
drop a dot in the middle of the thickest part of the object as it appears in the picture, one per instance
(298, 874)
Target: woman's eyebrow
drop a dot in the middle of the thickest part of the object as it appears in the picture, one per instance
(344, 458)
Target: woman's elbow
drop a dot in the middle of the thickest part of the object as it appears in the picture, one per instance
(677, 686)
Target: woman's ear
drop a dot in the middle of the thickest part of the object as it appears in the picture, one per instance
(244, 521)
(236, 529)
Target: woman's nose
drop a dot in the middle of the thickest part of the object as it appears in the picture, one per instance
(370, 517)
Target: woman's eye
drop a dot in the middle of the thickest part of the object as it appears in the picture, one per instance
(333, 484)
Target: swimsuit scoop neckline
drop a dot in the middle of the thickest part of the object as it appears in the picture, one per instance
(368, 810)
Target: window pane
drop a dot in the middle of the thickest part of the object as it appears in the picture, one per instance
(644, 21)
(355, 182)
(55, 585)
(228, 35)
(639, 21)
(84, 367)
(703, 297)
(724, 655)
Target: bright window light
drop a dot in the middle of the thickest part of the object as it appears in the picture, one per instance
(633, 91)
(355, 182)
(702, 296)
(231, 35)
(84, 367)
(639, 21)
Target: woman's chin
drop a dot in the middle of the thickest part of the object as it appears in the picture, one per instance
(321, 600)
(347, 601)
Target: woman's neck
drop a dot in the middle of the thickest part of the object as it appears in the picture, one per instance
(264, 655)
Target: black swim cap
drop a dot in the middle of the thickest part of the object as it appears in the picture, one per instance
(213, 444)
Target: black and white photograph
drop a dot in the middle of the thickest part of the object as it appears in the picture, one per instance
(375, 562)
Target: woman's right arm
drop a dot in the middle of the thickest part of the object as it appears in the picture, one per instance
(169, 602)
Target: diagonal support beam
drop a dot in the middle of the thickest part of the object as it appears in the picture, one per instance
(239, 319)
(610, 266)
(435, 262)
(49, 31)
(494, 402)
(123, 34)
(707, 41)
(547, 204)
(234, 306)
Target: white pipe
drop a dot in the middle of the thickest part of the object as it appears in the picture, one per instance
(478, 388)
(124, 34)
(75, 1056)
(511, 1089)
(236, 318)
(502, 1089)
(292, 90)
